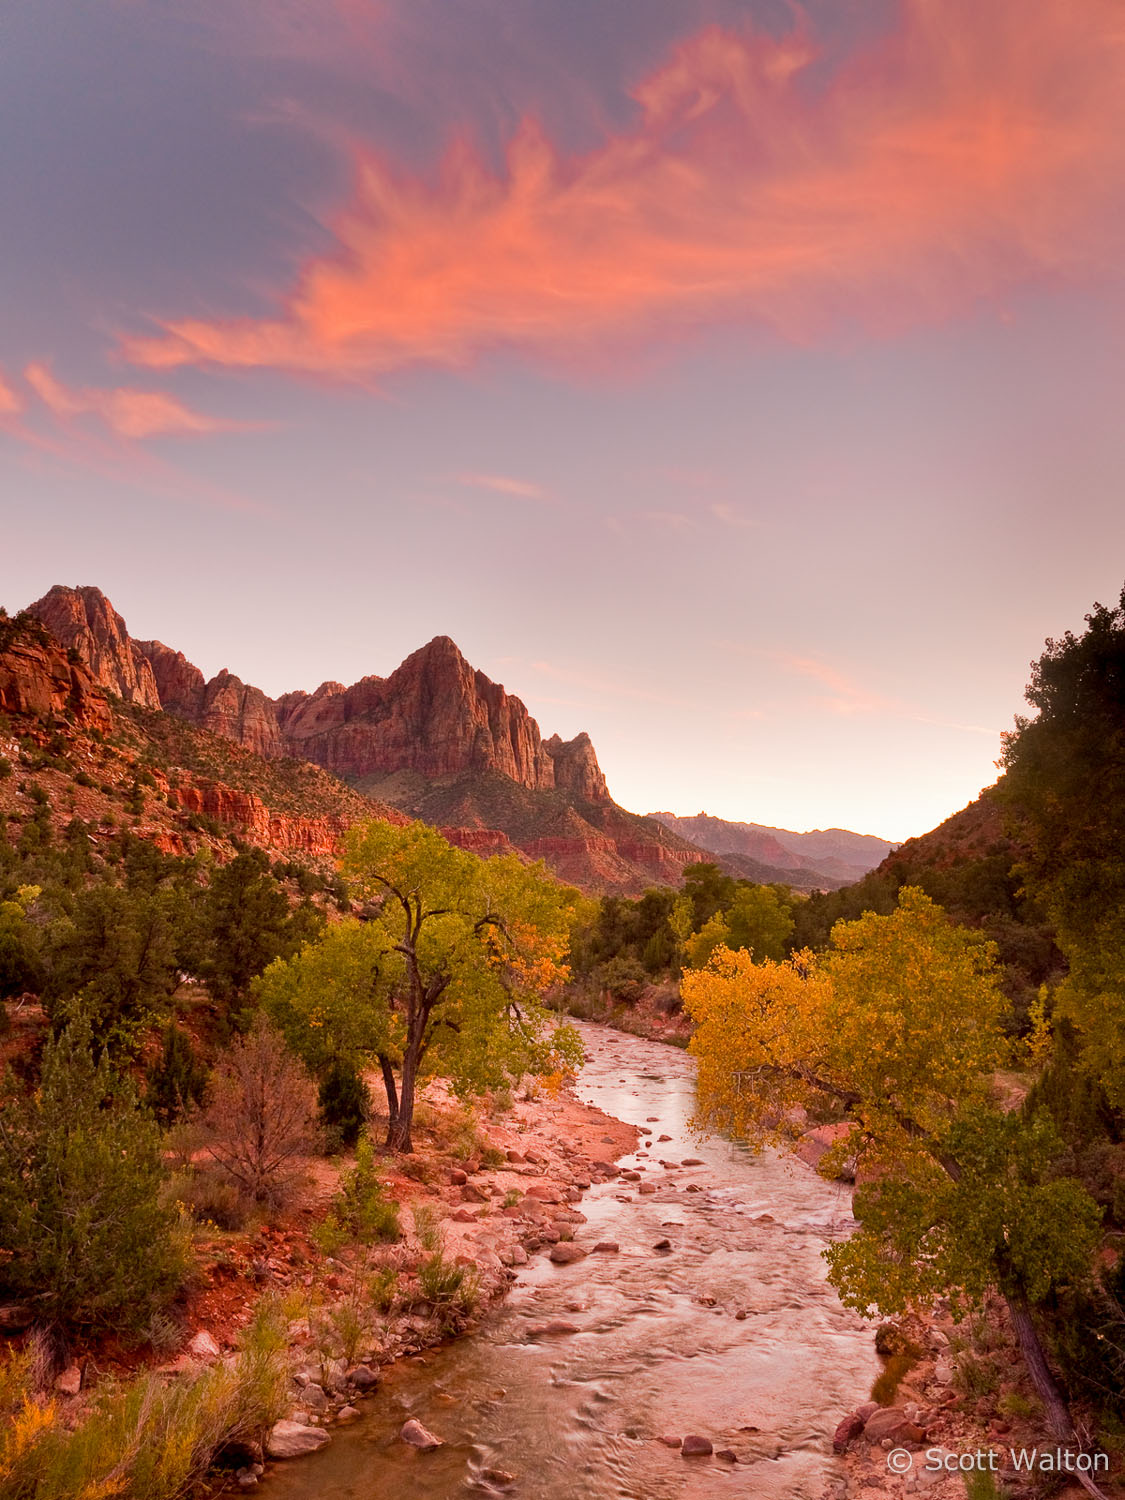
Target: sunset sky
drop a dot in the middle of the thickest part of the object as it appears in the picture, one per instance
(738, 381)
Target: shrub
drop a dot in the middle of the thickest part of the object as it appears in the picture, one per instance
(360, 1210)
(81, 1212)
(175, 1083)
(260, 1114)
(345, 1104)
(212, 1198)
(143, 1439)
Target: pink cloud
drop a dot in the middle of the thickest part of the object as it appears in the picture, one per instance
(503, 484)
(973, 147)
(124, 410)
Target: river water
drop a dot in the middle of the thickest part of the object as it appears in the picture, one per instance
(579, 1416)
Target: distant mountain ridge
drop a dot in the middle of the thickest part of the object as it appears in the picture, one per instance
(823, 858)
(436, 738)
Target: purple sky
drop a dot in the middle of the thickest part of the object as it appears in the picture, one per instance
(736, 382)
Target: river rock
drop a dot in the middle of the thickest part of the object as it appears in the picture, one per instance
(848, 1430)
(556, 1326)
(347, 1414)
(364, 1378)
(691, 1161)
(606, 1247)
(728, 1455)
(314, 1397)
(669, 1441)
(663, 1245)
(815, 1145)
(417, 1436)
(694, 1446)
(893, 1423)
(566, 1253)
(293, 1439)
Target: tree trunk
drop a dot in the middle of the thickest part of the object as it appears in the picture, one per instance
(1059, 1423)
(392, 1097)
(398, 1135)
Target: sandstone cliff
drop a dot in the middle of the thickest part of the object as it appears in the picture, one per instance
(435, 739)
(84, 619)
(435, 714)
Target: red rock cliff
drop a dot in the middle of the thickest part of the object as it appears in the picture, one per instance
(85, 619)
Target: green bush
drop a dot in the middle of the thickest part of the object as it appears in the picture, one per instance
(177, 1080)
(345, 1104)
(81, 1169)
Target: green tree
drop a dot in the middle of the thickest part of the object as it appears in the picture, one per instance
(247, 923)
(86, 1238)
(175, 1083)
(1064, 784)
(461, 950)
(709, 890)
(760, 918)
(21, 967)
(113, 961)
(900, 1025)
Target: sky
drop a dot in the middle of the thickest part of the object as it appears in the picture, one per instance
(738, 381)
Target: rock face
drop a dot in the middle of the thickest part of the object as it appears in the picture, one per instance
(37, 680)
(437, 716)
(436, 739)
(434, 715)
(85, 619)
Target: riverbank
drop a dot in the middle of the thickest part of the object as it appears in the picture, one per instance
(481, 1193)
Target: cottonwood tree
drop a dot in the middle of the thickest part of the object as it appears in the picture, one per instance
(444, 975)
(900, 1026)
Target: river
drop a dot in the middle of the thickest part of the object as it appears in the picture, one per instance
(579, 1416)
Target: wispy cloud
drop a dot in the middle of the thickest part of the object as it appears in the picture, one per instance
(124, 410)
(503, 484)
(11, 403)
(970, 148)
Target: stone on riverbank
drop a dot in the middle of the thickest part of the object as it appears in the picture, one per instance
(293, 1440)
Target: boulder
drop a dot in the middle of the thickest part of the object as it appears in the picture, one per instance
(417, 1436)
(567, 1253)
(847, 1431)
(815, 1145)
(893, 1423)
(69, 1383)
(293, 1439)
(694, 1446)
(203, 1346)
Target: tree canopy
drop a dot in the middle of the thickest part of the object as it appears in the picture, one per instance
(899, 1028)
(441, 977)
(1064, 784)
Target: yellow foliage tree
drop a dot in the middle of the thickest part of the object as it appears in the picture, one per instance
(899, 1028)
